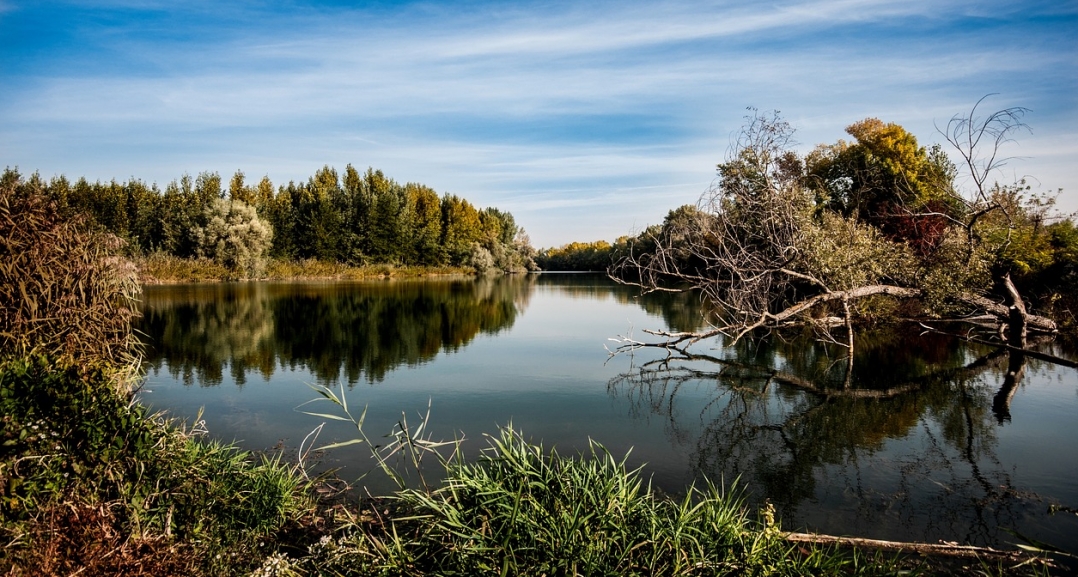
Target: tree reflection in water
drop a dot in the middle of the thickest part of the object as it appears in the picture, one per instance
(329, 328)
(904, 448)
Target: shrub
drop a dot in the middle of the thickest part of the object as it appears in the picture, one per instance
(233, 236)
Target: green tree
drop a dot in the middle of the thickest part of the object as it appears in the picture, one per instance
(426, 225)
(769, 249)
(887, 180)
(460, 228)
(238, 189)
(387, 219)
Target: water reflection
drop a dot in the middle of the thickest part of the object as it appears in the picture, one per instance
(333, 329)
(910, 449)
(680, 311)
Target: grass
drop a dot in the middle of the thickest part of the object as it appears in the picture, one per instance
(311, 268)
(159, 268)
(90, 481)
(521, 509)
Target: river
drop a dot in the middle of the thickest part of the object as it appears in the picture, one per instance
(928, 438)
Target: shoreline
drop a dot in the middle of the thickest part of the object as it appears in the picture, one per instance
(169, 270)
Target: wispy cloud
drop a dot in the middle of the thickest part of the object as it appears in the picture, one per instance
(582, 119)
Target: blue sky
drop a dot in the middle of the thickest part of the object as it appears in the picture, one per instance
(586, 120)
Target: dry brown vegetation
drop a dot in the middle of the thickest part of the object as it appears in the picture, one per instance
(64, 291)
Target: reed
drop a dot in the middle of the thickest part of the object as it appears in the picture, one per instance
(65, 289)
(521, 509)
(159, 267)
(279, 269)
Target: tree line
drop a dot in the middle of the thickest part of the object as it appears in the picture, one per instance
(358, 219)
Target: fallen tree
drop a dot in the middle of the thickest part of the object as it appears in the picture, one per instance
(829, 238)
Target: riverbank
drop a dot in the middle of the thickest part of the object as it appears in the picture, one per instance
(159, 268)
(92, 483)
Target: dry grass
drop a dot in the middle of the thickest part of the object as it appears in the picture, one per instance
(65, 291)
(316, 269)
(160, 268)
(83, 539)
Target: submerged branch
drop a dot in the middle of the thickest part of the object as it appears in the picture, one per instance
(1028, 352)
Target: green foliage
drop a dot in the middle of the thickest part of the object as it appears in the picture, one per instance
(523, 510)
(577, 256)
(460, 228)
(1016, 232)
(884, 166)
(64, 426)
(780, 234)
(70, 440)
(355, 218)
(844, 254)
(480, 259)
(426, 226)
(64, 289)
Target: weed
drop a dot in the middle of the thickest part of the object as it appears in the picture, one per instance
(65, 290)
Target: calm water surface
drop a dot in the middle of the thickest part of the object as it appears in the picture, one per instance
(927, 439)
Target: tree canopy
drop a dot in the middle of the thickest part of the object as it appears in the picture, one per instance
(355, 218)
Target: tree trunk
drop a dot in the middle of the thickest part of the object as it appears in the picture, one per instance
(849, 342)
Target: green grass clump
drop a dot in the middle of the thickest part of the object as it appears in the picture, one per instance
(89, 481)
(521, 510)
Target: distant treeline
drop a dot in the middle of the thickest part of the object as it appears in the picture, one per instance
(580, 256)
(362, 218)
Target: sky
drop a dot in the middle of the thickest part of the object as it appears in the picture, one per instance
(585, 120)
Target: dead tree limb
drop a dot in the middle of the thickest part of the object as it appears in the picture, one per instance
(942, 549)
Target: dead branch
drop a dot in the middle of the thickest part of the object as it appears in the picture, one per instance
(942, 549)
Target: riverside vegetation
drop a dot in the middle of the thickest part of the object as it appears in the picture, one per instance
(91, 482)
(858, 232)
(348, 226)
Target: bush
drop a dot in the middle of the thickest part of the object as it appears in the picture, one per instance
(233, 236)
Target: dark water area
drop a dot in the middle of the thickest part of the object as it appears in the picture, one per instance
(928, 438)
